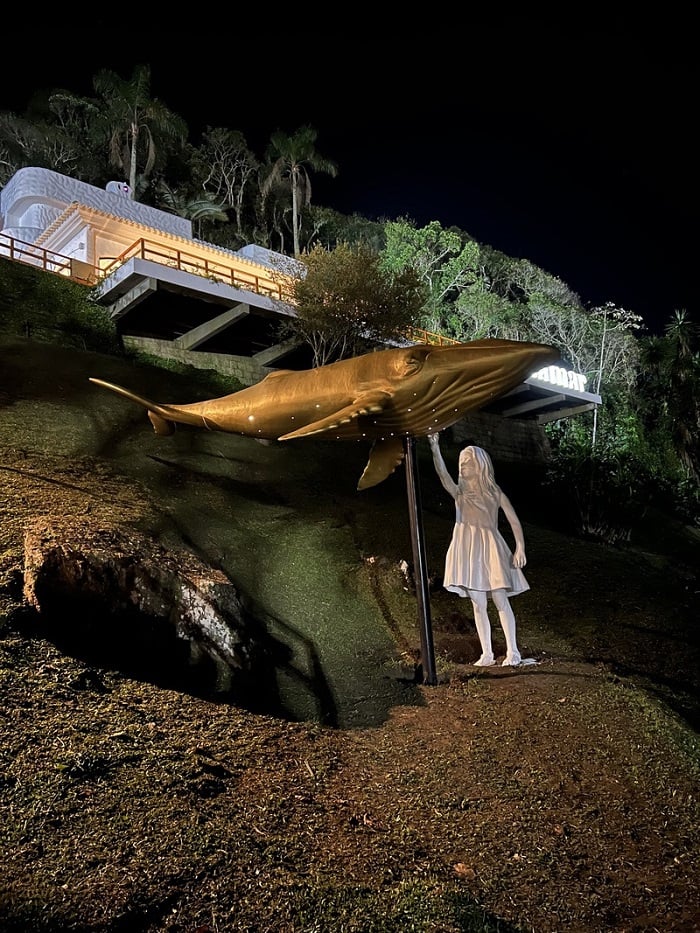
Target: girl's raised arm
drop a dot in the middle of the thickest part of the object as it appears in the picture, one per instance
(440, 468)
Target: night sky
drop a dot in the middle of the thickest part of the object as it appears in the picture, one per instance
(571, 145)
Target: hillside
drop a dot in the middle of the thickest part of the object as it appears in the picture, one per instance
(345, 795)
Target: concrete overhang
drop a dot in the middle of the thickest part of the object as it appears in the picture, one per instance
(540, 401)
(131, 274)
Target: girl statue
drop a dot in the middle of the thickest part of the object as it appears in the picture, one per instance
(479, 562)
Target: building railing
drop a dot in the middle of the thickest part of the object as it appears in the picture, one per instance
(48, 261)
(418, 335)
(213, 270)
(87, 274)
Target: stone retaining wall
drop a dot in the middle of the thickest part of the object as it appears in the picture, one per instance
(243, 368)
(508, 440)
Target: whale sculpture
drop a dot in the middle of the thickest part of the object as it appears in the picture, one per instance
(383, 396)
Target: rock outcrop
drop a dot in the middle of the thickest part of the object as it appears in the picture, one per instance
(121, 600)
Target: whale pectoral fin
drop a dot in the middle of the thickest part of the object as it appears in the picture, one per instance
(384, 457)
(371, 403)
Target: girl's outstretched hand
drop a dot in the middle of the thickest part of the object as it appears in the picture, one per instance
(434, 441)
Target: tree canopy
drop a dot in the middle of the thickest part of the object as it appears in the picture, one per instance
(345, 302)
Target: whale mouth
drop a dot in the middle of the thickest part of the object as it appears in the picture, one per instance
(455, 381)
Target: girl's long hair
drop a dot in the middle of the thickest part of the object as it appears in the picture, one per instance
(484, 472)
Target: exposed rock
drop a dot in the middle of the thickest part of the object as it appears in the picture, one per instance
(108, 592)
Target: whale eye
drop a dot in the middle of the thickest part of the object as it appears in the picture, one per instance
(413, 361)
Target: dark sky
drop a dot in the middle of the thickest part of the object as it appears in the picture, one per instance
(571, 145)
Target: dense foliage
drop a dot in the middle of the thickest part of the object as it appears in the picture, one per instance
(346, 302)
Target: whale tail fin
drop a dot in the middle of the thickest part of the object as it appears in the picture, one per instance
(163, 423)
(161, 426)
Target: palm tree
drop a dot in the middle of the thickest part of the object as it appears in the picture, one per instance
(290, 156)
(132, 121)
(204, 207)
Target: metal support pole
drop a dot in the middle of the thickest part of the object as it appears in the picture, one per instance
(419, 563)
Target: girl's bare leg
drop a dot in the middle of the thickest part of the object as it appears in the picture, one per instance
(483, 628)
(505, 614)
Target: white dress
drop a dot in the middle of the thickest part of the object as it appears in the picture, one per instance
(478, 557)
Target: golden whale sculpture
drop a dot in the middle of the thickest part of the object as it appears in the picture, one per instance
(383, 397)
